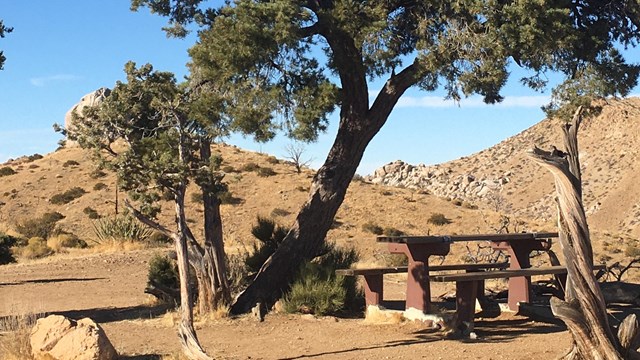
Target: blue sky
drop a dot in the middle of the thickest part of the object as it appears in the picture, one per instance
(61, 50)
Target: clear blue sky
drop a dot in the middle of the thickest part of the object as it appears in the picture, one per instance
(61, 50)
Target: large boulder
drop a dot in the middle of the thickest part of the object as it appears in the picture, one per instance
(91, 99)
(59, 338)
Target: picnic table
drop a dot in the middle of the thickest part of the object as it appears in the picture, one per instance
(419, 249)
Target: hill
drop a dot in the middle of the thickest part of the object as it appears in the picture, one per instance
(504, 179)
(27, 194)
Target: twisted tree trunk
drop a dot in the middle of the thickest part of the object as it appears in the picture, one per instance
(583, 310)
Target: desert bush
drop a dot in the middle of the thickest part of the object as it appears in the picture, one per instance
(97, 174)
(163, 271)
(272, 160)
(358, 177)
(197, 197)
(319, 291)
(279, 212)
(265, 172)
(228, 169)
(251, 166)
(269, 236)
(91, 213)
(42, 227)
(67, 196)
(372, 228)
(34, 157)
(99, 186)
(15, 330)
(386, 193)
(226, 198)
(36, 248)
(56, 243)
(121, 228)
(632, 251)
(302, 188)
(158, 238)
(470, 206)
(167, 196)
(6, 243)
(6, 171)
(438, 219)
(391, 231)
(456, 202)
(70, 163)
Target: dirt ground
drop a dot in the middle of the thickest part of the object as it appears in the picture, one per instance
(109, 289)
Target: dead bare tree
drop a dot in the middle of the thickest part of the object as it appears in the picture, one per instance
(583, 310)
(294, 153)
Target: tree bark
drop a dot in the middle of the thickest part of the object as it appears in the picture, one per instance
(583, 310)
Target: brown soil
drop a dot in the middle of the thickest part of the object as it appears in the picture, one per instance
(109, 289)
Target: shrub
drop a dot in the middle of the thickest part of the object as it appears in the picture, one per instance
(228, 169)
(42, 227)
(15, 341)
(279, 212)
(6, 171)
(456, 202)
(6, 242)
(99, 186)
(390, 231)
(36, 248)
(97, 174)
(67, 196)
(65, 241)
(163, 271)
(272, 160)
(251, 166)
(302, 188)
(121, 228)
(632, 251)
(269, 236)
(265, 172)
(197, 197)
(159, 238)
(91, 213)
(34, 157)
(226, 198)
(319, 291)
(438, 219)
(70, 163)
(372, 228)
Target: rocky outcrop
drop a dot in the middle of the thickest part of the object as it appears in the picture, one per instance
(59, 338)
(91, 99)
(439, 180)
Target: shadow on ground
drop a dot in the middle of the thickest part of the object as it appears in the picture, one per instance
(106, 315)
(48, 281)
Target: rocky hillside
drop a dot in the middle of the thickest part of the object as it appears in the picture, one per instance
(502, 178)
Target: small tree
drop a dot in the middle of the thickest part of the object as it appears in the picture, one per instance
(294, 153)
(152, 133)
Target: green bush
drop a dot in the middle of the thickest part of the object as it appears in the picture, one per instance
(265, 172)
(42, 227)
(67, 196)
(197, 197)
(163, 271)
(438, 219)
(6, 243)
(36, 248)
(99, 186)
(269, 236)
(372, 228)
(6, 171)
(319, 291)
(121, 228)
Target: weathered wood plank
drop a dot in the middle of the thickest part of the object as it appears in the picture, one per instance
(473, 237)
(401, 269)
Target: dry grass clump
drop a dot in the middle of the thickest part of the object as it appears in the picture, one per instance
(59, 242)
(15, 333)
(36, 248)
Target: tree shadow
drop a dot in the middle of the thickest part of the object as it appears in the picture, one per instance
(111, 314)
(48, 281)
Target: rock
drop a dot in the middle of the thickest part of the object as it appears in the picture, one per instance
(91, 99)
(59, 338)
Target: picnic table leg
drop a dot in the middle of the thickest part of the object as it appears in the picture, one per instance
(466, 292)
(418, 288)
(373, 289)
(519, 252)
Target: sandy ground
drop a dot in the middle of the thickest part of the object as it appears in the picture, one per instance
(109, 289)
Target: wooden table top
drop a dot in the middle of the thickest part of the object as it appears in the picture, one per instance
(429, 239)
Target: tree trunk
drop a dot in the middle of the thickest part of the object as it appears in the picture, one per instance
(358, 125)
(583, 310)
